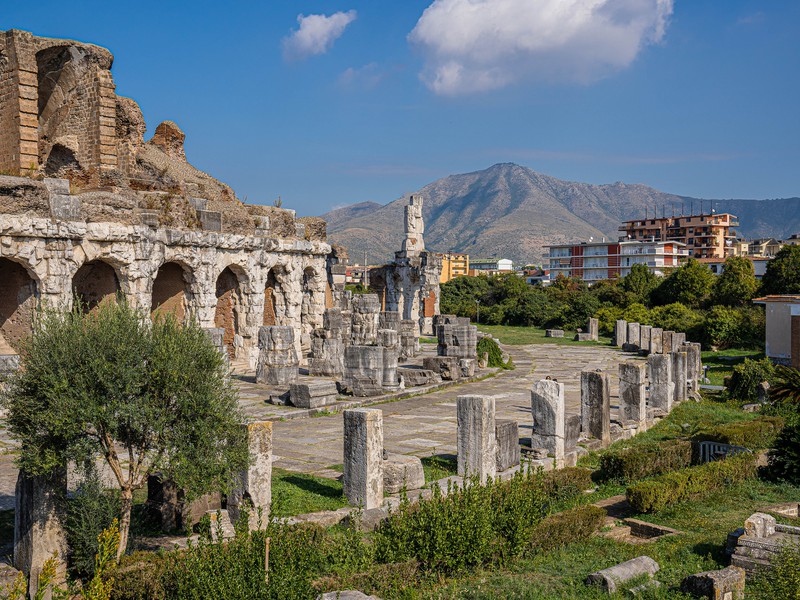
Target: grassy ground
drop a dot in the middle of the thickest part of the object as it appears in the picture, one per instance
(439, 466)
(296, 493)
(720, 364)
(517, 336)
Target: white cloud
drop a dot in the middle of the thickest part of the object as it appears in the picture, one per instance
(366, 77)
(477, 45)
(316, 34)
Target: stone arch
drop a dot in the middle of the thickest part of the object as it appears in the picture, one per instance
(170, 293)
(95, 283)
(61, 161)
(275, 297)
(18, 300)
(229, 314)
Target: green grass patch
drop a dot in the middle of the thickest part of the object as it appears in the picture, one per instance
(720, 364)
(439, 466)
(428, 340)
(298, 493)
(521, 336)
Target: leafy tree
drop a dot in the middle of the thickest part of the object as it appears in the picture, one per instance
(607, 318)
(783, 272)
(689, 284)
(723, 327)
(737, 284)
(100, 385)
(677, 317)
(637, 313)
(639, 283)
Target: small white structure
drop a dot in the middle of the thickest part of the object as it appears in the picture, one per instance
(492, 264)
(783, 328)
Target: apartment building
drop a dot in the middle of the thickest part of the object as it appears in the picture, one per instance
(491, 266)
(595, 261)
(454, 264)
(707, 235)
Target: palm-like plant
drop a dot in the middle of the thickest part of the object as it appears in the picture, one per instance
(787, 385)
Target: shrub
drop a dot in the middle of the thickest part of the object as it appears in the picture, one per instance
(784, 458)
(630, 464)
(756, 434)
(488, 345)
(637, 313)
(744, 380)
(677, 317)
(607, 318)
(565, 484)
(567, 527)
(781, 580)
(653, 495)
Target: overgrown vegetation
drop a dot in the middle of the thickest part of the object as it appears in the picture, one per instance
(488, 346)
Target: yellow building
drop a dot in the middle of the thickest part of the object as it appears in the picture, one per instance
(454, 264)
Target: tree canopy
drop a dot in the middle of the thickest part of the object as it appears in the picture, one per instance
(737, 284)
(783, 272)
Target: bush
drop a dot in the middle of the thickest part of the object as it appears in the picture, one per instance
(784, 458)
(735, 327)
(565, 484)
(488, 345)
(631, 464)
(677, 317)
(744, 380)
(781, 580)
(756, 434)
(653, 495)
(607, 318)
(567, 527)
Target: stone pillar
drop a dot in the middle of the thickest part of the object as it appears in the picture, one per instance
(327, 354)
(457, 340)
(389, 320)
(633, 392)
(363, 457)
(596, 406)
(477, 446)
(620, 332)
(694, 366)
(667, 342)
(277, 358)
(633, 337)
(644, 338)
(661, 386)
(409, 341)
(679, 366)
(38, 532)
(506, 434)
(365, 317)
(389, 340)
(594, 329)
(363, 370)
(656, 341)
(548, 412)
(255, 483)
(678, 340)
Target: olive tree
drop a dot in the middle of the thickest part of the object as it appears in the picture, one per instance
(143, 397)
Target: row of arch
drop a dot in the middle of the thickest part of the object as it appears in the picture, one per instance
(97, 282)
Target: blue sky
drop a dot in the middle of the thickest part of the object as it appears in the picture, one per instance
(377, 98)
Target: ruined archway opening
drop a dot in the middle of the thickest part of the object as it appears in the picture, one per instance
(18, 300)
(229, 305)
(94, 284)
(274, 299)
(61, 162)
(170, 292)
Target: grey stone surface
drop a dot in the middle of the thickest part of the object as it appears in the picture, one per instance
(277, 358)
(644, 338)
(679, 368)
(572, 432)
(327, 354)
(389, 319)
(547, 409)
(661, 386)
(633, 392)
(554, 333)
(363, 457)
(313, 394)
(667, 343)
(254, 484)
(633, 336)
(8, 364)
(583, 337)
(760, 525)
(506, 433)
(694, 366)
(400, 470)
(596, 406)
(416, 377)
(620, 333)
(594, 329)
(723, 584)
(467, 366)
(216, 335)
(409, 340)
(446, 366)
(611, 577)
(457, 340)
(477, 446)
(346, 595)
(363, 370)
(38, 531)
(390, 342)
(656, 340)
(365, 318)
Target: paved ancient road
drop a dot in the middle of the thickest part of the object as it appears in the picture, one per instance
(426, 425)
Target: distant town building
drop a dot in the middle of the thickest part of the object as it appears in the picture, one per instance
(717, 265)
(705, 235)
(766, 247)
(536, 276)
(783, 328)
(595, 261)
(487, 266)
(454, 264)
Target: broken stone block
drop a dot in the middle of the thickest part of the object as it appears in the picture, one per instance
(457, 340)
(409, 340)
(401, 471)
(594, 329)
(506, 433)
(363, 457)
(216, 335)
(365, 317)
(467, 366)
(277, 358)
(254, 484)
(327, 354)
(694, 367)
(572, 431)
(547, 409)
(633, 392)
(679, 367)
(363, 370)
(554, 333)
(446, 366)
(632, 337)
(366, 520)
(389, 320)
(667, 342)
(760, 525)
(763, 391)
(413, 377)
(723, 584)
(596, 406)
(477, 446)
(38, 531)
(221, 525)
(645, 332)
(167, 501)
(346, 595)
(9, 363)
(583, 337)
(661, 386)
(620, 332)
(656, 340)
(611, 577)
(313, 394)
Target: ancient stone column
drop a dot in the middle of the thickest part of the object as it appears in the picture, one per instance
(255, 483)
(633, 337)
(594, 329)
(409, 340)
(363, 457)
(644, 338)
(678, 340)
(667, 342)
(389, 320)
(596, 406)
(661, 387)
(477, 446)
(679, 366)
(633, 392)
(327, 354)
(277, 358)
(38, 531)
(363, 370)
(389, 340)
(457, 340)
(620, 332)
(694, 366)
(506, 433)
(365, 317)
(547, 409)
(656, 340)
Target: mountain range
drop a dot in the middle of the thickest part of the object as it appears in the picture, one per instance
(509, 211)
